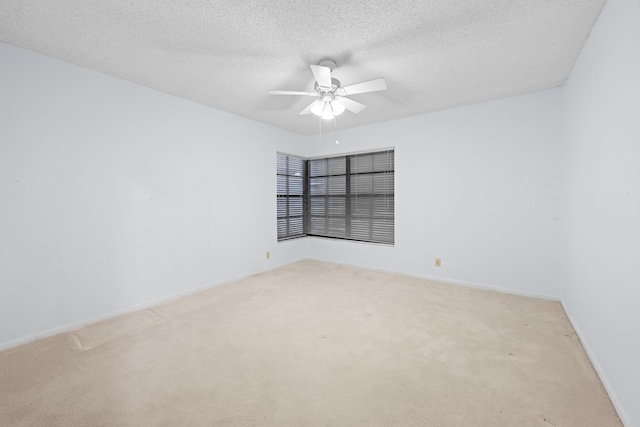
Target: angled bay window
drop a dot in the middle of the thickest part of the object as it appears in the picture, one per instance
(350, 197)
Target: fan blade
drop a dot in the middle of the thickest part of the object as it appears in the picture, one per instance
(290, 92)
(363, 87)
(308, 109)
(350, 104)
(322, 75)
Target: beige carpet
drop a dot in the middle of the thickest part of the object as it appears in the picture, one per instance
(314, 344)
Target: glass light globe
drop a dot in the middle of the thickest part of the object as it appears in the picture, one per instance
(317, 108)
(337, 107)
(327, 113)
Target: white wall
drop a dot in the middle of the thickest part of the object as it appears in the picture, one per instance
(114, 195)
(476, 186)
(602, 132)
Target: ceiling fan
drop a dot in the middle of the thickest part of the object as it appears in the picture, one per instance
(331, 97)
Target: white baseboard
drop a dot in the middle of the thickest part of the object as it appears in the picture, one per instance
(82, 323)
(490, 288)
(596, 365)
(452, 281)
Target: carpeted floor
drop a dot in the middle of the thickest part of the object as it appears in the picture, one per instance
(314, 344)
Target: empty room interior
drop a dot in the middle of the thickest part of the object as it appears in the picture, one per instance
(416, 213)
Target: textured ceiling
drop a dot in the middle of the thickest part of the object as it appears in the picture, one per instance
(433, 54)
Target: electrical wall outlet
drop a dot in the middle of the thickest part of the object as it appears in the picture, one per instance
(268, 255)
(438, 262)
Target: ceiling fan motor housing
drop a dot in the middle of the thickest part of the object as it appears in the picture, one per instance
(335, 84)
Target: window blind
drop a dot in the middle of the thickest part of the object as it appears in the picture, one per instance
(352, 197)
(290, 196)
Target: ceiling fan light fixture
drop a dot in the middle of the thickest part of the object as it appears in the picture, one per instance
(327, 108)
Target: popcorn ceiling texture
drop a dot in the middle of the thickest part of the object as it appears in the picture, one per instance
(434, 54)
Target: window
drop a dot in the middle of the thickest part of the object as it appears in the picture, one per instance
(352, 197)
(290, 195)
(348, 197)
(328, 197)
